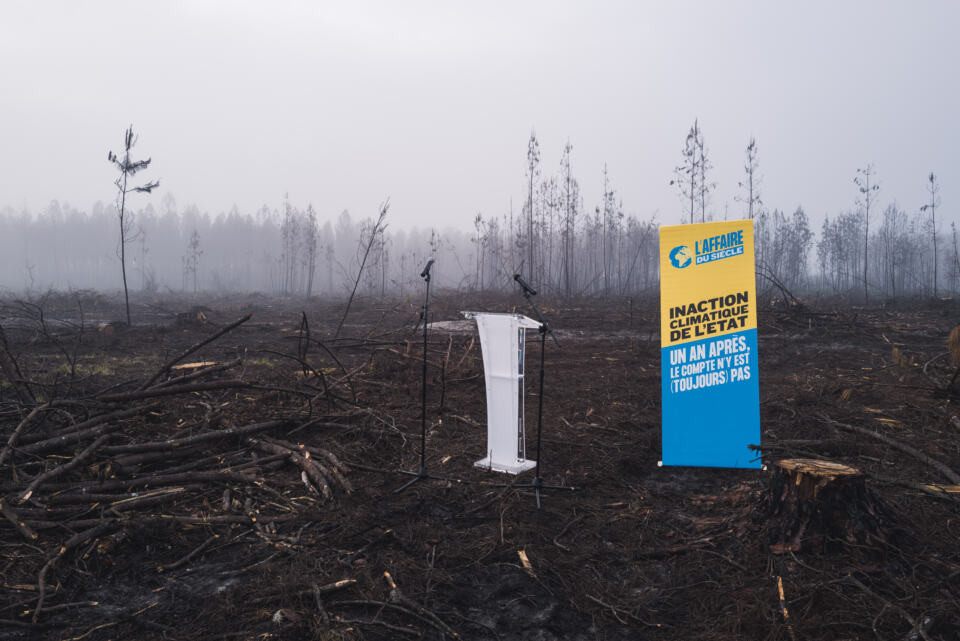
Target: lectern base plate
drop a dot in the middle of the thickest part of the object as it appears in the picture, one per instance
(510, 467)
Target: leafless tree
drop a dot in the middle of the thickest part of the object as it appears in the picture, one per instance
(934, 190)
(608, 221)
(953, 276)
(751, 186)
(868, 188)
(691, 174)
(480, 230)
(312, 247)
(376, 229)
(571, 199)
(191, 262)
(533, 172)
(688, 172)
(127, 168)
(703, 166)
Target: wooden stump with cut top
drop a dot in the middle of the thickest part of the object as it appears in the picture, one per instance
(814, 504)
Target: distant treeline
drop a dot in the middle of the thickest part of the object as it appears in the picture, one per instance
(282, 251)
(559, 244)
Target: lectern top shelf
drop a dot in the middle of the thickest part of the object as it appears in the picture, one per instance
(522, 321)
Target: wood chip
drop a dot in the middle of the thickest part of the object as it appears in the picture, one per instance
(196, 365)
(525, 562)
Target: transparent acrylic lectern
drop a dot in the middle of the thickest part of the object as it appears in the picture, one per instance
(502, 342)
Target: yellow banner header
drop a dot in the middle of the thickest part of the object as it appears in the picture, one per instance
(707, 281)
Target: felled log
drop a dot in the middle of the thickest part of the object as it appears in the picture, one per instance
(193, 348)
(817, 504)
(94, 427)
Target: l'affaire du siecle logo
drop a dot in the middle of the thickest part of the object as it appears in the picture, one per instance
(708, 249)
(680, 256)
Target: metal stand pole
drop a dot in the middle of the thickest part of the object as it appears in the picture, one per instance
(537, 483)
(422, 473)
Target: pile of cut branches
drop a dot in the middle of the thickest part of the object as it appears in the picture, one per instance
(82, 476)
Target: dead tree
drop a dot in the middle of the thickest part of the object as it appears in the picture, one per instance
(378, 228)
(867, 187)
(686, 179)
(703, 165)
(311, 234)
(191, 262)
(934, 189)
(533, 165)
(127, 168)
(571, 196)
(691, 174)
(752, 185)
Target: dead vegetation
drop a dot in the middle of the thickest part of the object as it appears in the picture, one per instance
(231, 479)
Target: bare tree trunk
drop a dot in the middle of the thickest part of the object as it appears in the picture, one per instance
(377, 227)
(866, 242)
(123, 248)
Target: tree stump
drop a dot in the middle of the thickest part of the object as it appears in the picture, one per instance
(814, 504)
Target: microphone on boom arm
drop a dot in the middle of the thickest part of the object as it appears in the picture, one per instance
(426, 270)
(524, 285)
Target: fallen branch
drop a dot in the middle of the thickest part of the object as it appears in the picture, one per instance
(95, 426)
(17, 522)
(384, 605)
(12, 441)
(311, 469)
(160, 480)
(617, 611)
(656, 553)
(397, 596)
(197, 550)
(944, 469)
(336, 469)
(62, 469)
(783, 609)
(76, 540)
(383, 624)
(917, 627)
(313, 589)
(173, 361)
(199, 373)
(173, 444)
(150, 499)
(172, 390)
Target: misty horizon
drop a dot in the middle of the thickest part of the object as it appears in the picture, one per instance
(246, 111)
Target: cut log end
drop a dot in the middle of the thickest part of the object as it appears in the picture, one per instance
(815, 503)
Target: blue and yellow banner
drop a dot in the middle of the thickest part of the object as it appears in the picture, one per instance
(708, 345)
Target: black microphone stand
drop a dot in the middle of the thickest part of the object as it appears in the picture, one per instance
(422, 473)
(544, 329)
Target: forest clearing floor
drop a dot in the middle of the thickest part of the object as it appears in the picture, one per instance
(249, 495)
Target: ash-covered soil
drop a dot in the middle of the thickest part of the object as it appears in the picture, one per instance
(252, 497)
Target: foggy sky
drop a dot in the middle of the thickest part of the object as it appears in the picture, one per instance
(431, 103)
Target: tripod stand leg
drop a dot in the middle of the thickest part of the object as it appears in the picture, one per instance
(408, 484)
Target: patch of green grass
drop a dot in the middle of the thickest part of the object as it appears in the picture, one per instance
(101, 364)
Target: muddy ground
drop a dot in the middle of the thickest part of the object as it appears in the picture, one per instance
(226, 538)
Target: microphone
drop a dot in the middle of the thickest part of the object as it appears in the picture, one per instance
(426, 270)
(523, 284)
